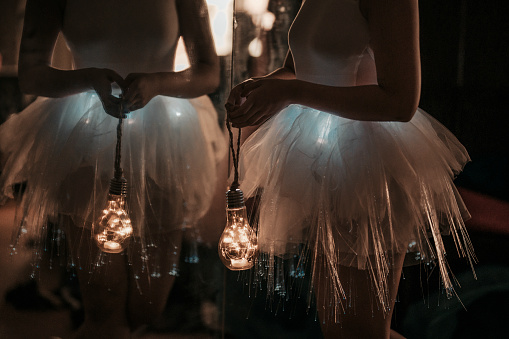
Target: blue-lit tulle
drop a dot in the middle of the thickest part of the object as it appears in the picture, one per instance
(355, 192)
(64, 149)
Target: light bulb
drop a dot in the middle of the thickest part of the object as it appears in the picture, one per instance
(255, 48)
(113, 228)
(238, 245)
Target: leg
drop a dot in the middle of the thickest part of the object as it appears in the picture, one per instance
(365, 319)
(148, 294)
(211, 225)
(149, 280)
(103, 289)
(114, 301)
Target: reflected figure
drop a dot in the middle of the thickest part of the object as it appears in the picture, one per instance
(63, 145)
(352, 178)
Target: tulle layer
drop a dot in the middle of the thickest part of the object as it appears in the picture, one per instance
(354, 192)
(64, 149)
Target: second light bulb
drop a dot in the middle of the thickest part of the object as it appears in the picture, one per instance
(238, 245)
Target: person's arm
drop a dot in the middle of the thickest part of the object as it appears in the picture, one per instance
(287, 72)
(394, 29)
(42, 24)
(202, 77)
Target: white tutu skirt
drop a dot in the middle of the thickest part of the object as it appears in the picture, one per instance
(353, 192)
(64, 149)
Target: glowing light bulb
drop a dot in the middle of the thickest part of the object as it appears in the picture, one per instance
(113, 228)
(238, 245)
(255, 48)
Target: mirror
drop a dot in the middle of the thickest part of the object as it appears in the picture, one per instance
(135, 41)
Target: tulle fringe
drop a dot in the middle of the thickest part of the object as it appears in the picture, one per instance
(335, 192)
(64, 150)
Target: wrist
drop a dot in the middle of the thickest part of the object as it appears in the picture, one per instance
(293, 92)
(158, 82)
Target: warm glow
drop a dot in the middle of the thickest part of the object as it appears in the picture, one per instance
(221, 13)
(238, 246)
(112, 245)
(113, 229)
(181, 58)
(255, 48)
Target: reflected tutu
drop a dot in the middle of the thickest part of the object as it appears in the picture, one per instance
(354, 191)
(65, 148)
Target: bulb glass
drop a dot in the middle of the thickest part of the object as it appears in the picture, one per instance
(238, 245)
(113, 229)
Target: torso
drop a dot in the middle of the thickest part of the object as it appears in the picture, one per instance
(329, 40)
(124, 35)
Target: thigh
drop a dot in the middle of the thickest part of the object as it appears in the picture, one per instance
(102, 277)
(153, 272)
(362, 316)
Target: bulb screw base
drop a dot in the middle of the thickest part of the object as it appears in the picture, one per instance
(234, 198)
(118, 186)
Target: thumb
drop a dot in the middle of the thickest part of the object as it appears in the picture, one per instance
(115, 77)
(249, 87)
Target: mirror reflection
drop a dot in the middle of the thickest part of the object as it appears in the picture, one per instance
(167, 71)
(114, 167)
